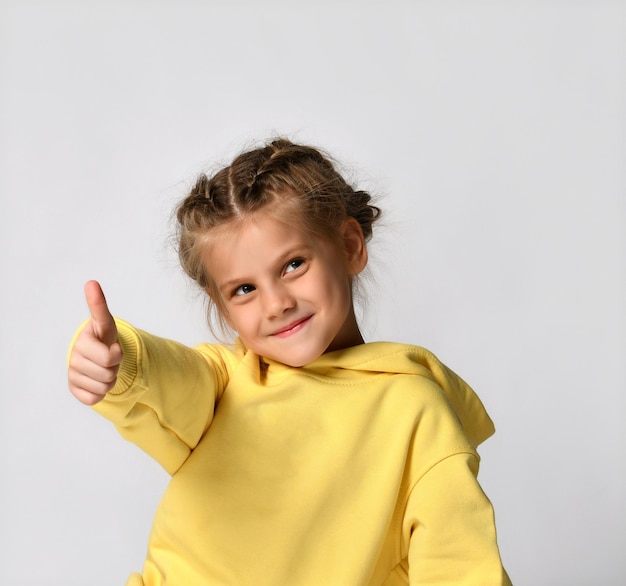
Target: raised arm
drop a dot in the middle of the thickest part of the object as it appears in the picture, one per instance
(160, 394)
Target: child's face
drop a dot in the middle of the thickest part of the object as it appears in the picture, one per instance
(287, 295)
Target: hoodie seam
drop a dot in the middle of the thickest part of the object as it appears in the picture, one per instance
(350, 383)
(413, 485)
(402, 349)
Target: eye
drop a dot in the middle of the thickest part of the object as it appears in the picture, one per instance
(294, 264)
(243, 290)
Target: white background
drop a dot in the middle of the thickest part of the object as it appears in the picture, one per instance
(494, 133)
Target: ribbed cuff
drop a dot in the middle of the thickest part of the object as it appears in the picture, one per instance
(131, 348)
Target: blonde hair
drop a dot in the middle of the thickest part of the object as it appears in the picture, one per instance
(300, 180)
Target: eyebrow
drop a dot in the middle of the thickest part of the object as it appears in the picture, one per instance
(280, 260)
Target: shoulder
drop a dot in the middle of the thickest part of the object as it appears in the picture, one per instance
(440, 384)
(228, 356)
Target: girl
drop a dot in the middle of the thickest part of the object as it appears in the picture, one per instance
(299, 455)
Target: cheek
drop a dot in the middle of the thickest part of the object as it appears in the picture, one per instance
(228, 318)
(232, 318)
(336, 288)
(241, 318)
(341, 279)
(221, 307)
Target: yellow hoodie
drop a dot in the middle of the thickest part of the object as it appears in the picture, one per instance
(358, 469)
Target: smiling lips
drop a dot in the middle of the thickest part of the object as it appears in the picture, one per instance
(292, 328)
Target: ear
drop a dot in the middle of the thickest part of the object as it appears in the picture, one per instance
(354, 246)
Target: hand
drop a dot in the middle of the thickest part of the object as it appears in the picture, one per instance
(96, 355)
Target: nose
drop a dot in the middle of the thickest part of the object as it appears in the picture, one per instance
(277, 300)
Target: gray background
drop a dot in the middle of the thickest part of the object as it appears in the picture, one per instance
(494, 133)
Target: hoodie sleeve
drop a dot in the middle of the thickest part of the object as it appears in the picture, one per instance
(165, 394)
(451, 528)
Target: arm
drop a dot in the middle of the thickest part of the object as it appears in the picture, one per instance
(451, 529)
(161, 395)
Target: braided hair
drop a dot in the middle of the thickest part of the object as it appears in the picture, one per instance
(314, 194)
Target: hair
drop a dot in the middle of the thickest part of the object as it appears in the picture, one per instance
(300, 182)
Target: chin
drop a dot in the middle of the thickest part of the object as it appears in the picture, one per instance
(298, 359)
(296, 362)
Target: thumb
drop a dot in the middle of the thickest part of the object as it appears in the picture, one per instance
(102, 321)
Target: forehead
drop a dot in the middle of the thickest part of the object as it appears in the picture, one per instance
(245, 245)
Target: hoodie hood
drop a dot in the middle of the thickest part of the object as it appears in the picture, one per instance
(387, 357)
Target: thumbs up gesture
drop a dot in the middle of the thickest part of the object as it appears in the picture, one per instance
(96, 355)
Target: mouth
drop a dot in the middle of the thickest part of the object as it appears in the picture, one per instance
(292, 328)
